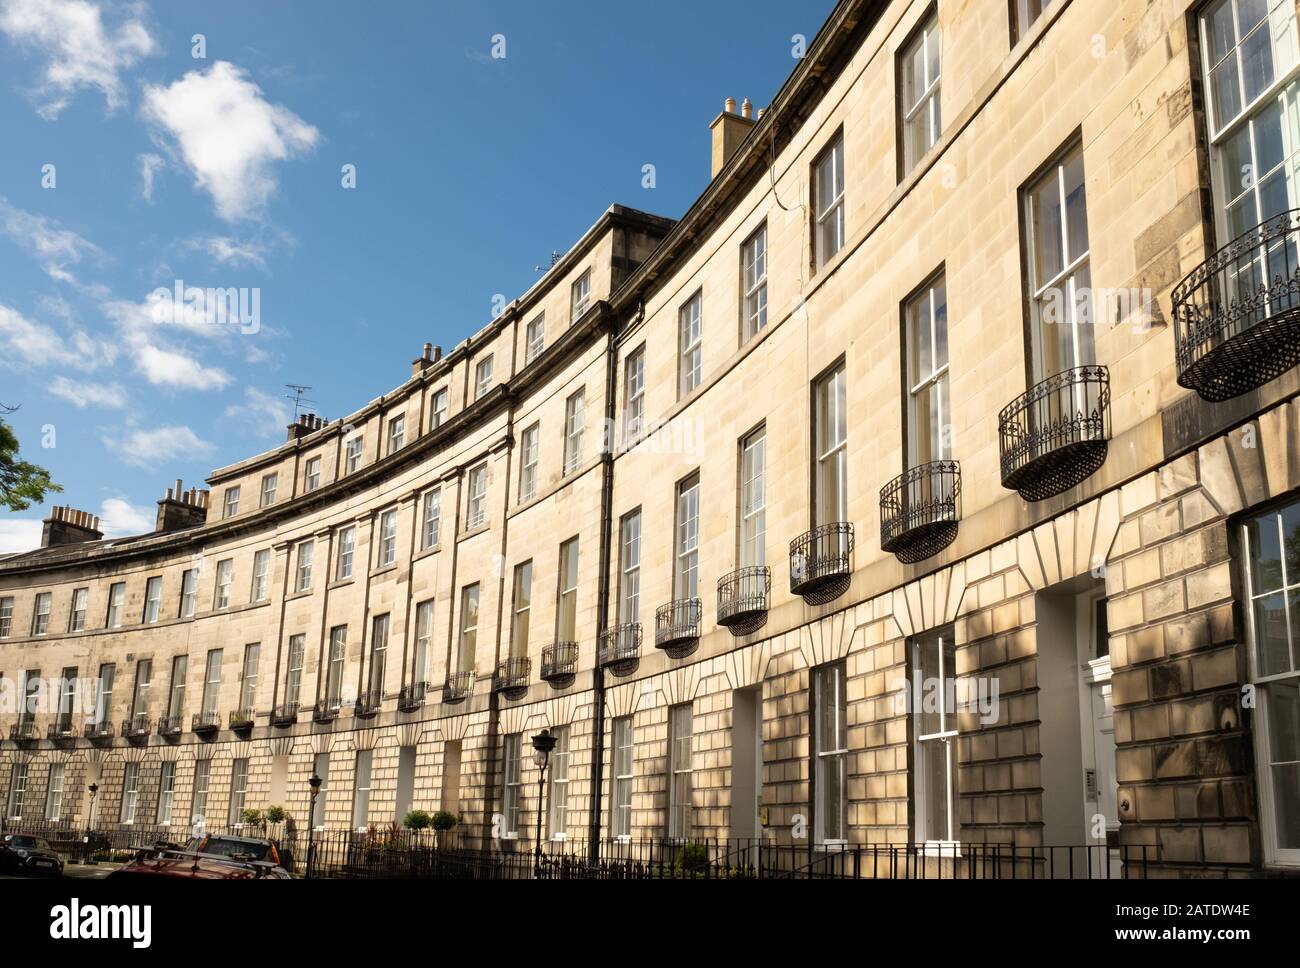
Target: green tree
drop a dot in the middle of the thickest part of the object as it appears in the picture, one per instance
(21, 482)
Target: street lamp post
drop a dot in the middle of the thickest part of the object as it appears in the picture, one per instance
(90, 823)
(543, 743)
(314, 783)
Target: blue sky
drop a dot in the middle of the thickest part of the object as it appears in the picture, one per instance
(226, 171)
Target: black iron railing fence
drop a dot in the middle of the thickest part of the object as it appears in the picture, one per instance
(743, 595)
(820, 556)
(677, 627)
(920, 510)
(395, 852)
(1237, 315)
(458, 687)
(1057, 433)
(560, 664)
(619, 648)
(511, 676)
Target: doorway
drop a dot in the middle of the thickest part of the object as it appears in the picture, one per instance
(746, 763)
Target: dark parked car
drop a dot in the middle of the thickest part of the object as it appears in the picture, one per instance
(28, 854)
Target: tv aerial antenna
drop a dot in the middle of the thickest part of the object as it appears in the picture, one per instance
(299, 397)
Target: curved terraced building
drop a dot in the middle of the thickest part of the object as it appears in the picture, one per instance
(931, 482)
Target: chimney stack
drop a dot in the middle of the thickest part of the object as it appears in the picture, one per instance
(67, 525)
(307, 423)
(431, 355)
(181, 509)
(729, 129)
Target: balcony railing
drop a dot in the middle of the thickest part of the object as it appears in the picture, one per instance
(98, 732)
(821, 561)
(560, 664)
(458, 687)
(619, 649)
(677, 627)
(511, 677)
(326, 711)
(1057, 434)
(241, 720)
(285, 714)
(62, 732)
(743, 599)
(171, 725)
(1237, 315)
(137, 727)
(24, 731)
(367, 703)
(206, 722)
(411, 698)
(920, 511)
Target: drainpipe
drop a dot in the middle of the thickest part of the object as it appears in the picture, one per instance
(602, 606)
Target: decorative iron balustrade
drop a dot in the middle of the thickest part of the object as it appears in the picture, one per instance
(821, 561)
(208, 722)
(619, 650)
(560, 664)
(511, 677)
(137, 727)
(743, 599)
(411, 698)
(24, 731)
(62, 732)
(96, 732)
(242, 720)
(1056, 435)
(367, 703)
(1237, 314)
(677, 627)
(458, 687)
(326, 710)
(920, 511)
(285, 714)
(171, 725)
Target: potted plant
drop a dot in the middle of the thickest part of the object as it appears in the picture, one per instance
(442, 822)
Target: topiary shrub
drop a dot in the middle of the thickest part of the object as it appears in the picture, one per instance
(417, 820)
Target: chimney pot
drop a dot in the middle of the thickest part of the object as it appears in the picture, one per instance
(746, 109)
(729, 105)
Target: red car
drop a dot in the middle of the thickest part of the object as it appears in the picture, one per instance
(207, 858)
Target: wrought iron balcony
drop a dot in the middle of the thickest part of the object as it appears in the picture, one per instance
(821, 562)
(511, 677)
(677, 627)
(326, 711)
(560, 664)
(458, 687)
(920, 510)
(171, 725)
(411, 698)
(619, 649)
(98, 732)
(367, 703)
(205, 722)
(137, 727)
(24, 731)
(241, 720)
(743, 599)
(1237, 315)
(64, 731)
(1057, 434)
(286, 714)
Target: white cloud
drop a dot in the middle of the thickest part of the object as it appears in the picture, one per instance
(80, 51)
(150, 165)
(228, 135)
(146, 448)
(170, 368)
(35, 343)
(82, 393)
(231, 252)
(55, 247)
(118, 518)
(266, 414)
(19, 534)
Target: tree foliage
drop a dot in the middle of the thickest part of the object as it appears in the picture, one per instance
(21, 482)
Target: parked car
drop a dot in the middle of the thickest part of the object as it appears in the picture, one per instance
(207, 858)
(29, 854)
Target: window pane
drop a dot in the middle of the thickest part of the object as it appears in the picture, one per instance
(1284, 751)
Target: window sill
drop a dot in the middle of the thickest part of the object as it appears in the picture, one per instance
(427, 552)
(341, 583)
(382, 570)
(476, 530)
(510, 836)
(297, 595)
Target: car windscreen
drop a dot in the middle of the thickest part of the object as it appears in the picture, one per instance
(26, 843)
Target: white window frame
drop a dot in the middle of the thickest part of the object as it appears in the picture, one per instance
(297, 655)
(830, 753)
(166, 792)
(311, 474)
(830, 438)
(41, 610)
(152, 599)
(922, 118)
(529, 443)
(634, 397)
(566, 587)
(116, 601)
(225, 578)
(199, 793)
(54, 793)
(467, 648)
(261, 590)
(347, 549)
(248, 677)
(624, 730)
(361, 789)
(828, 202)
(212, 682)
(130, 792)
(752, 532)
(690, 344)
(77, 613)
(396, 433)
(512, 755)
(629, 579)
(306, 551)
(354, 449)
(535, 338)
(932, 442)
(557, 794)
(230, 502)
(438, 408)
(575, 419)
(6, 616)
(681, 731)
(476, 505)
(946, 736)
(579, 296)
(753, 284)
(387, 538)
(521, 605)
(17, 791)
(686, 543)
(270, 484)
(423, 641)
(483, 376)
(431, 513)
(238, 790)
(189, 592)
